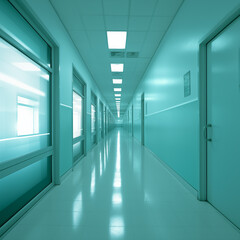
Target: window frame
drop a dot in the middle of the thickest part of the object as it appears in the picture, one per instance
(82, 94)
(15, 164)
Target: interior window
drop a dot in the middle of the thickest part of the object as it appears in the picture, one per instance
(77, 115)
(93, 119)
(27, 117)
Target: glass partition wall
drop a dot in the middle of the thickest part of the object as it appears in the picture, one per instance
(78, 118)
(101, 120)
(93, 119)
(26, 151)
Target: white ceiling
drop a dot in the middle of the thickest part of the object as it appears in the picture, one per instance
(145, 21)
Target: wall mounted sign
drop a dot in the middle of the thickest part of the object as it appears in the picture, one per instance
(187, 84)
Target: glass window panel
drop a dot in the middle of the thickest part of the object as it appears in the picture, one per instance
(93, 99)
(78, 86)
(78, 150)
(19, 29)
(93, 119)
(18, 188)
(24, 104)
(77, 115)
(25, 120)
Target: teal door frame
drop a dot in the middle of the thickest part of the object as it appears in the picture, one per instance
(202, 193)
(142, 119)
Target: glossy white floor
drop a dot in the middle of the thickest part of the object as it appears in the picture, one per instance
(121, 191)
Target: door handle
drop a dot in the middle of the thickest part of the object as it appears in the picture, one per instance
(208, 132)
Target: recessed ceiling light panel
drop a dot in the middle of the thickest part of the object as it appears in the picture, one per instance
(117, 81)
(117, 67)
(116, 39)
(117, 89)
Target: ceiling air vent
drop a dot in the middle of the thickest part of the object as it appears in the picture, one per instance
(132, 54)
(117, 54)
(117, 74)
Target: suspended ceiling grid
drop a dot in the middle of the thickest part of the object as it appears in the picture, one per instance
(146, 22)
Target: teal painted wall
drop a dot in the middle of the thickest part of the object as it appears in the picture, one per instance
(68, 58)
(171, 120)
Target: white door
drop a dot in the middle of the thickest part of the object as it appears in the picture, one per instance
(223, 117)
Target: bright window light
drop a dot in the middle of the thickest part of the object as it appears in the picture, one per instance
(16, 83)
(27, 66)
(117, 81)
(117, 95)
(117, 89)
(116, 39)
(117, 67)
(27, 116)
(45, 76)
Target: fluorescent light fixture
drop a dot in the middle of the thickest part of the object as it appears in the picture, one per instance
(116, 39)
(117, 67)
(117, 89)
(117, 98)
(27, 66)
(117, 101)
(117, 95)
(117, 81)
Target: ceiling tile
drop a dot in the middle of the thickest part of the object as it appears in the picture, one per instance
(167, 7)
(80, 37)
(69, 15)
(135, 41)
(142, 7)
(98, 39)
(139, 23)
(151, 43)
(93, 22)
(141, 64)
(116, 23)
(160, 23)
(89, 7)
(116, 7)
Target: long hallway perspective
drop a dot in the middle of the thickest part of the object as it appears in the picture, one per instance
(120, 190)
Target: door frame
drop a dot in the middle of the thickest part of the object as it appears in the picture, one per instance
(142, 119)
(83, 96)
(202, 193)
(132, 133)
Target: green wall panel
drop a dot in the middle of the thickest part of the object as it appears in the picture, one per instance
(173, 136)
(171, 122)
(65, 139)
